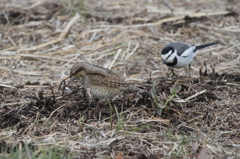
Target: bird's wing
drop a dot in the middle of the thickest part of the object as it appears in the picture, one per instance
(104, 71)
(98, 79)
(189, 52)
(104, 77)
(181, 48)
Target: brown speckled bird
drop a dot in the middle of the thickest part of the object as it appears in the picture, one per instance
(99, 82)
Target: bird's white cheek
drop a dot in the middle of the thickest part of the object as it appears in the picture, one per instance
(168, 59)
(163, 56)
(171, 58)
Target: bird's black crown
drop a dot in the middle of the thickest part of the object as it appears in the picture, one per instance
(167, 49)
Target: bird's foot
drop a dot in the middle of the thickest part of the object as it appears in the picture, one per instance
(90, 99)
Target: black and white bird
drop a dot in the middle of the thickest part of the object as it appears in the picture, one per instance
(178, 55)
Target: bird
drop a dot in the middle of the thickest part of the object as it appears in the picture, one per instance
(99, 82)
(179, 55)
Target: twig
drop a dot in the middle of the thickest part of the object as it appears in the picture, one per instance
(11, 40)
(191, 97)
(59, 39)
(7, 86)
(13, 104)
(30, 126)
(195, 15)
(37, 57)
(195, 95)
(115, 58)
(156, 120)
(50, 116)
(128, 55)
(233, 84)
(35, 86)
(32, 73)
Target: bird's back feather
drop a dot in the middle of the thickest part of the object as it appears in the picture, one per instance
(180, 47)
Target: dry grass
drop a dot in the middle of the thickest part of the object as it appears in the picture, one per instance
(41, 40)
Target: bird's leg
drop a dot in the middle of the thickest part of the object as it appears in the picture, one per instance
(106, 99)
(171, 72)
(89, 95)
(189, 70)
(102, 100)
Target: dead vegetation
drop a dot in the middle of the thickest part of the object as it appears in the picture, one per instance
(40, 41)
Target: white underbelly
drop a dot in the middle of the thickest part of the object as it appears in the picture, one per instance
(182, 62)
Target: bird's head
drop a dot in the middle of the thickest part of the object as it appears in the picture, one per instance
(77, 72)
(168, 55)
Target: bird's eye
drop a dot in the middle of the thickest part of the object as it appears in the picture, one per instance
(72, 73)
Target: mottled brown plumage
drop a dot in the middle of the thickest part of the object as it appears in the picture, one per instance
(99, 82)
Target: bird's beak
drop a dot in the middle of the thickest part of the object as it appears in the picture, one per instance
(72, 79)
(163, 62)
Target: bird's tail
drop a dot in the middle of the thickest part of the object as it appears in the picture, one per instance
(205, 45)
